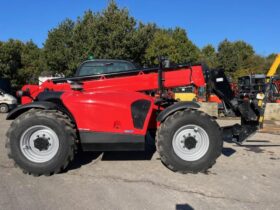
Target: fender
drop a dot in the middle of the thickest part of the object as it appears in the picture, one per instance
(24, 108)
(176, 107)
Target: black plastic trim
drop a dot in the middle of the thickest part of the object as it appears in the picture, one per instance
(176, 107)
(49, 95)
(37, 104)
(102, 141)
(139, 111)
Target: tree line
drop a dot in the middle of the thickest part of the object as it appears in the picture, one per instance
(114, 33)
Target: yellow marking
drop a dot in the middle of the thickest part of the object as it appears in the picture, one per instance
(274, 66)
(185, 96)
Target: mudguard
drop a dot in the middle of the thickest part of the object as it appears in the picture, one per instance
(38, 105)
(176, 107)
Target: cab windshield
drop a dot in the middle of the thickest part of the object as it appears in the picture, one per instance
(104, 67)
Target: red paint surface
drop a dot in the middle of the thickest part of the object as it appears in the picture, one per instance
(104, 105)
(140, 82)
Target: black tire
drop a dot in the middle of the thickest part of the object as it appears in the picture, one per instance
(4, 108)
(176, 121)
(60, 124)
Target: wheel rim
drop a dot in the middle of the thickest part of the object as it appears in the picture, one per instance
(39, 144)
(190, 142)
(3, 109)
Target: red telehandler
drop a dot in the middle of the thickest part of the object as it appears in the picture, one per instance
(116, 111)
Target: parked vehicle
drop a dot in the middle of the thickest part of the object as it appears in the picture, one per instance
(251, 85)
(7, 101)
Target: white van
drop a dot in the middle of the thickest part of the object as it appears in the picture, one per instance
(7, 102)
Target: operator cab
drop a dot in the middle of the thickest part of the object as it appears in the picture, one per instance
(103, 66)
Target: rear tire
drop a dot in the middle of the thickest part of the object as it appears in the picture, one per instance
(189, 141)
(41, 142)
(4, 108)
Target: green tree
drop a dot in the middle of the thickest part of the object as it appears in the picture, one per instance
(173, 44)
(112, 33)
(140, 41)
(209, 56)
(225, 56)
(20, 62)
(82, 37)
(58, 49)
(10, 60)
(245, 54)
(32, 63)
(257, 64)
(233, 56)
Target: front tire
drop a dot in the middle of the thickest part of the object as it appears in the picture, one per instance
(189, 141)
(41, 142)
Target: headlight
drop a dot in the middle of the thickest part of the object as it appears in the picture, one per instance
(260, 96)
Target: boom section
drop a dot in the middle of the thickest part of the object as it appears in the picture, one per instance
(139, 80)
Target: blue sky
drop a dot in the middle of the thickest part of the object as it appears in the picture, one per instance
(206, 21)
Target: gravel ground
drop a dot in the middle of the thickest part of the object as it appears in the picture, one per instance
(244, 177)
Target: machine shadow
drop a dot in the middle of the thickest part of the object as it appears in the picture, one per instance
(183, 207)
(147, 154)
(227, 151)
(256, 147)
(128, 155)
(258, 141)
(84, 158)
(261, 145)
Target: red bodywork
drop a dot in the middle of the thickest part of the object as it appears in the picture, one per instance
(215, 99)
(111, 108)
(140, 82)
(109, 99)
(277, 86)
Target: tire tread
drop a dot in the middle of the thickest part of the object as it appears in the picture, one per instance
(64, 120)
(166, 127)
